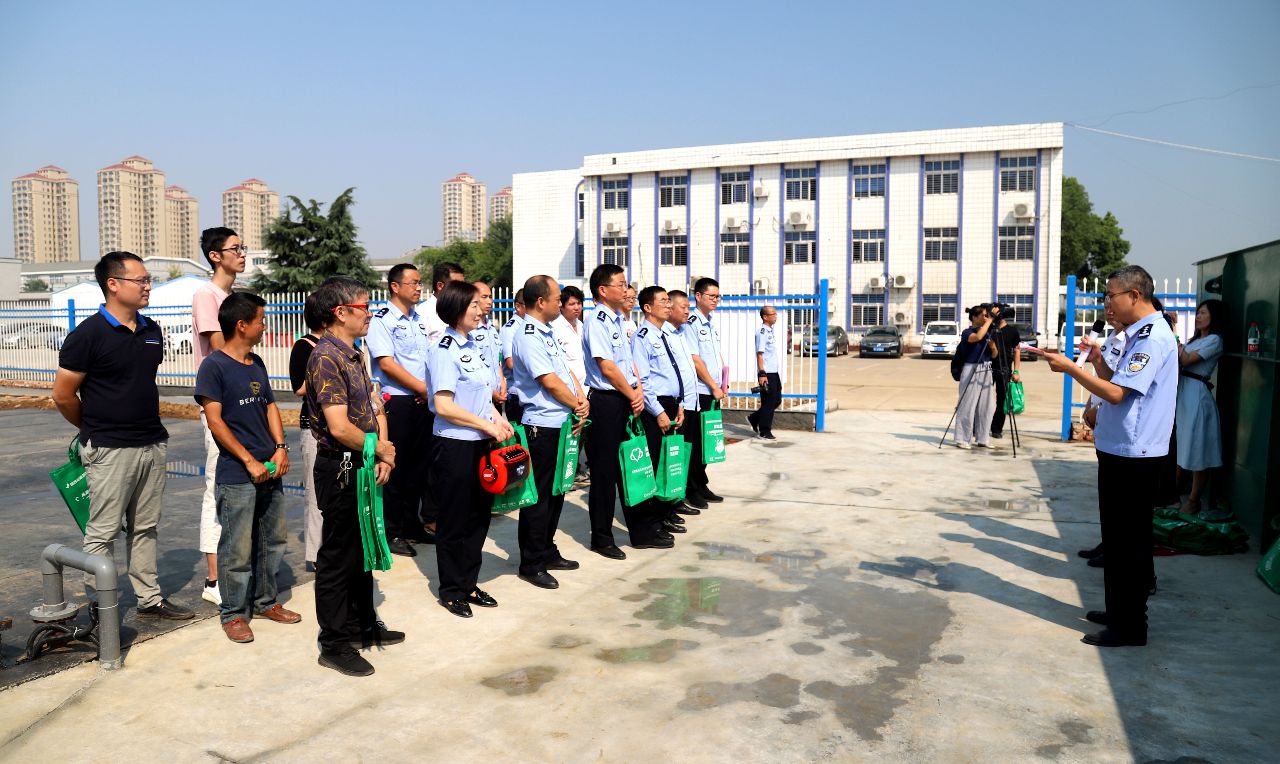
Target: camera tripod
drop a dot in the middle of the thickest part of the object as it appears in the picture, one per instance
(1002, 358)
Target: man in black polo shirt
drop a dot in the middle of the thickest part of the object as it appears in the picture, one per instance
(106, 386)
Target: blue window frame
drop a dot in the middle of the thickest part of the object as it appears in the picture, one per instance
(617, 194)
(673, 191)
(802, 183)
(941, 244)
(1017, 242)
(735, 248)
(866, 310)
(800, 247)
(673, 250)
(937, 307)
(1022, 306)
(942, 177)
(1018, 173)
(868, 246)
(734, 187)
(868, 180)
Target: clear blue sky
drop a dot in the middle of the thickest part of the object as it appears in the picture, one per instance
(394, 98)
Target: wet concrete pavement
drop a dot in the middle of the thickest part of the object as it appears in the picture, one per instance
(861, 595)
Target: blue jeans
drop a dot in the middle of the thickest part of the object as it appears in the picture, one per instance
(251, 546)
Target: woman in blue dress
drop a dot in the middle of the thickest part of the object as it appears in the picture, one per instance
(1198, 432)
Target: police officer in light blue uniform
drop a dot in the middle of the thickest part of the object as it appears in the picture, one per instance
(486, 335)
(704, 340)
(1135, 422)
(398, 347)
(768, 363)
(510, 330)
(654, 353)
(548, 392)
(466, 426)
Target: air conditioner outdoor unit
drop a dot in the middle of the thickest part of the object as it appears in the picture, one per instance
(613, 228)
(876, 283)
(758, 286)
(760, 192)
(899, 318)
(903, 281)
(1023, 211)
(732, 223)
(796, 218)
(671, 225)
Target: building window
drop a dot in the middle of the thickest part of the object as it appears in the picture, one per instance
(582, 206)
(942, 177)
(802, 184)
(735, 248)
(673, 191)
(617, 194)
(1017, 242)
(866, 310)
(1022, 306)
(1018, 173)
(868, 246)
(580, 260)
(868, 180)
(615, 251)
(800, 247)
(941, 243)
(938, 307)
(673, 250)
(734, 187)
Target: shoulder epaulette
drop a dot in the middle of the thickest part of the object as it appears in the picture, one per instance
(644, 330)
(510, 322)
(446, 341)
(600, 314)
(1145, 331)
(380, 312)
(529, 328)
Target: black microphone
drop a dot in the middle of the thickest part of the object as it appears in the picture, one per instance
(1094, 332)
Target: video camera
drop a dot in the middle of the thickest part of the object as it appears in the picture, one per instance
(999, 310)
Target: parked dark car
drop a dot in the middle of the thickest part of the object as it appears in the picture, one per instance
(881, 340)
(1029, 337)
(837, 341)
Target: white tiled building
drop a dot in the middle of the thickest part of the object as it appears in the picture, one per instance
(906, 227)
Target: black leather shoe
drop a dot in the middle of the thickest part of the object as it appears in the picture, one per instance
(1097, 616)
(1098, 562)
(671, 527)
(663, 535)
(673, 517)
(401, 547)
(166, 610)
(1089, 554)
(995, 434)
(713, 498)
(754, 427)
(1109, 638)
(656, 543)
(378, 636)
(563, 564)
(612, 552)
(692, 504)
(541, 579)
(347, 662)
(459, 608)
(481, 598)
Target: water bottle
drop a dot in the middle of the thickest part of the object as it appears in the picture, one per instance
(1254, 341)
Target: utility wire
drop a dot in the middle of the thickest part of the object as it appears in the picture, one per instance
(1193, 99)
(1176, 145)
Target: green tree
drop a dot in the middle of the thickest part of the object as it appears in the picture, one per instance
(33, 284)
(308, 245)
(489, 260)
(1092, 246)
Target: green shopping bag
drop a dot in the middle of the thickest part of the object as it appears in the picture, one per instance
(1269, 567)
(638, 482)
(713, 434)
(1014, 403)
(525, 494)
(73, 484)
(567, 456)
(373, 530)
(672, 476)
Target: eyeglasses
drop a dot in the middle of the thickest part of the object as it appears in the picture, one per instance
(710, 296)
(409, 284)
(356, 305)
(623, 285)
(239, 249)
(144, 282)
(1107, 296)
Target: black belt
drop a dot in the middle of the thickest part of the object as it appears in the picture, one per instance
(330, 453)
(598, 391)
(1200, 377)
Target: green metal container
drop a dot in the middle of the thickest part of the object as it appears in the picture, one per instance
(1248, 281)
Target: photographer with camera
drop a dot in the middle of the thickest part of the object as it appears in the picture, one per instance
(769, 383)
(1007, 365)
(974, 411)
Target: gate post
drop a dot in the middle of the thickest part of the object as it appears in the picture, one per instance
(1069, 350)
(820, 421)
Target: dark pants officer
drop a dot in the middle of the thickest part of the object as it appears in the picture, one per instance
(538, 523)
(409, 430)
(429, 514)
(513, 410)
(770, 399)
(610, 410)
(344, 589)
(657, 509)
(1126, 500)
(693, 433)
(464, 513)
(1001, 381)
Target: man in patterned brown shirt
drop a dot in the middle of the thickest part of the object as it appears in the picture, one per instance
(340, 397)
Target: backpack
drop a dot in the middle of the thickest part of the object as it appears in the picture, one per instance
(957, 361)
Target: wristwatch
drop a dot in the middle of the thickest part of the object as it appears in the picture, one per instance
(284, 446)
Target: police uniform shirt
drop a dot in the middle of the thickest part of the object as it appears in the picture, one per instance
(393, 334)
(655, 360)
(765, 343)
(1140, 425)
(702, 336)
(605, 338)
(1112, 349)
(510, 330)
(456, 366)
(486, 337)
(684, 366)
(538, 353)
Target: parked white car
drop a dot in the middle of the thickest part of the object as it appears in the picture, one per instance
(940, 339)
(178, 338)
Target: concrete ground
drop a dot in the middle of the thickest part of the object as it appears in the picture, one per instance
(861, 595)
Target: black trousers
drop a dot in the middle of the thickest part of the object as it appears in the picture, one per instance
(512, 409)
(770, 399)
(693, 432)
(465, 510)
(538, 522)
(409, 430)
(609, 413)
(1126, 500)
(343, 588)
(1001, 382)
(658, 509)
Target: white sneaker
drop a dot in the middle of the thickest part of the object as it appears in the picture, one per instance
(963, 446)
(211, 594)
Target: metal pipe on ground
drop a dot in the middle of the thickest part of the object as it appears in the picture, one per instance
(57, 556)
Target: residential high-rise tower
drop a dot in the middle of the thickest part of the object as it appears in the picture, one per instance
(46, 216)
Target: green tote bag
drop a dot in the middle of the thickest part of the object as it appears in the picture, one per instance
(673, 468)
(73, 484)
(713, 434)
(638, 482)
(567, 456)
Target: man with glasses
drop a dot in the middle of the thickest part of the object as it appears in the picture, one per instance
(1135, 422)
(704, 340)
(398, 345)
(768, 364)
(615, 395)
(226, 256)
(106, 387)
